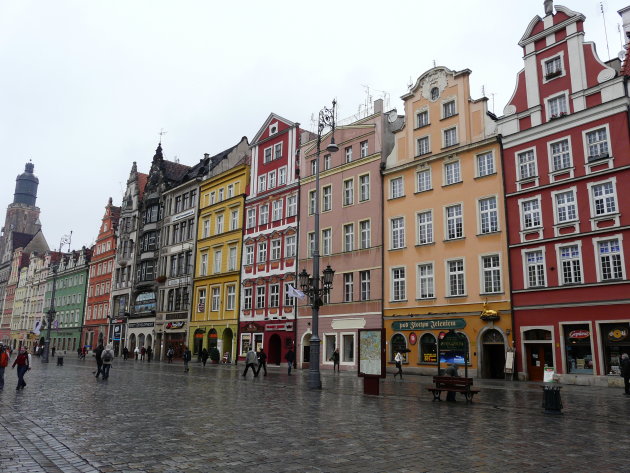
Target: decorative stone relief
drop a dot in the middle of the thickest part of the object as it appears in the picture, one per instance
(435, 79)
(605, 75)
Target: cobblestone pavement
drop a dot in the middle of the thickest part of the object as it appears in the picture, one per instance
(157, 418)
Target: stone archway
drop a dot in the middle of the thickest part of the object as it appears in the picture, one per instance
(226, 338)
(493, 349)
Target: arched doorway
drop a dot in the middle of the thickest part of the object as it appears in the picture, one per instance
(150, 342)
(198, 342)
(141, 341)
(538, 352)
(493, 354)
(226, 342)
(274, 350)
(306, 350)
(399, 344)
(132, 342)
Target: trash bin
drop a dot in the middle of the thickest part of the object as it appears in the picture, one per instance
(552, 403)
(60, 361)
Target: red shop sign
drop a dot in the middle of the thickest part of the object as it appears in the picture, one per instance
(413, 338)
(579, 334)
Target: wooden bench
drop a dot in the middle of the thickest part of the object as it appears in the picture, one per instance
(453, 384)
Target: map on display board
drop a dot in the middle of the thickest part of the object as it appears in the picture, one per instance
(370, 349)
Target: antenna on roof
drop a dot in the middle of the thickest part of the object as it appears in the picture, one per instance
(434, 64)
(410, 85)
(65, 240)
(601, 6)
(162, 133)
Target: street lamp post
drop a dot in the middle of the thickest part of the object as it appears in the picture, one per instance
(308, 284)
(50, 314)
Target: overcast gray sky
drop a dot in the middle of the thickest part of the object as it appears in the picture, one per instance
(86, 87)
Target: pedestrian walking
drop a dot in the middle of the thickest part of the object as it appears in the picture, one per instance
(290, 357)
(262, 361)
(398, 359)
(23, 365)
(335, 359)
(169, 354)
(136, 353)
(98, 354)
(53, 352)
(4, 362)
(250, 361)
(108, 359)
(451, 371)
(204, 356)
(125, 353)
(149, 354)
(187, 357)
(79, 352)
(625, 372)
(143, 352)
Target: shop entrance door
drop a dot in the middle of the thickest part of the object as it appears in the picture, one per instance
(538, 355)
(274, 350)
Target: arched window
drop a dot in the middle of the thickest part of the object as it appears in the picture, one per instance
(399, 344)
(428, 348)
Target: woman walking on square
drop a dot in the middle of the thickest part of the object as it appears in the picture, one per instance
(398, 359)
(22, 363)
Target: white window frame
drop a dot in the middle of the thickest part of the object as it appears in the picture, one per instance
(348, 192)
(451, 104)
(456, 219)
(348, 287)
(268, 154)
(534, 164)
(452, 172)
(326, 240)
(560, 263)
(232, 251)
(599, 161)
(327, 198)
(593, 199)
(447, 133)
(421, 149)
(348, 236)
(401, 281)
(521, 205)
(262, 183)
(484, 166)
(217, 261)
(251, 218)
(271, 180)
(566, 206)
(249, 254)
(425, 285)
(543, 66)
(290, 246)
(261, 297)
(327, 162)
(312, 202)
(364, 229)
(263, 217)
(215, 298)
(364, 147)
(292, 205)
(422, 112)
(491, 213)
(396, 187)
(230, 297)
(364, 183)
(348, 154)
(365, 289)
(282, 176)
(234, 219)
(543, 264)
(424, 172)
(277, 150)
(261, 254)
(492, 271)
(276, 212)
(598, 258)
(459, 273)
(427, 226)
(550, 153)
(247, 298)
(276, 246)
(274, 295)
(397, 232)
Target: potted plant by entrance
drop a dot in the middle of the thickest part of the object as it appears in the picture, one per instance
(214, 355)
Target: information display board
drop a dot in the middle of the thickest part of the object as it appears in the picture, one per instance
(371, 351)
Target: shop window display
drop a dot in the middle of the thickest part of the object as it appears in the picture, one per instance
(428, 349)
(615, 339)
(399, 344)
(579, 357)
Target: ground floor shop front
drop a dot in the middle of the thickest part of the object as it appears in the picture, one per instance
(222, 337)
(140, 334)
(275, 337)
(582, 344)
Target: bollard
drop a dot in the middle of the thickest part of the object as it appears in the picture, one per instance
(552, 403)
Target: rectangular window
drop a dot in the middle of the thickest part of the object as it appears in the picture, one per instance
(230, 298)
(290, 246)
(221, 194)
(396, 188)
(364, 148)
(267, 155)
(425, 227)
(213, 197)
(347, 352)
(203, 270)
(314, 166)
(282, 176)
(249, 254)
(312, 202)
(422, 146)
(454, 222)
(452, 171)
(348, 154)
(311, 244)
(426, 283)
(448, 109)
(271, 179)
(348, 287)
(456, 286)
(571, 263)
(219, 224)
(251, 218)
(364, 187)
(206, 229)
(348, 192)
(216, 299)
(275, 249)
(326, 198)
(274, 295)
(610, 260)
(277, 210)
(247, 298)
(488, 214)
(230, 191)
(485, 164)
(553, 67)
(260, 297)
(232, 259)
(291, 205)
(566, 210)
(535, 264)
(348, 237)
(526, 165)
(423, 180)
(201, 306)
(597, 143)
(364, 277)
(491, 268)
(217, 261)
(277, 151)
(604, 199)
(264, 214)
(422, 118)
(262, 183)
(398, 232)
(326, 242)
(557, 106)
(327, 161)
(366, 234)
(398, 284)
(262, 252)
(560, 155)
(450, 137)
(288, 300)
(531, 214)
(233, 219)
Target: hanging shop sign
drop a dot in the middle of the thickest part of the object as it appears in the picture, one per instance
(173, 325)
(413, 338)
(429, 324)
(617, 334)
(141, 324)
(287, 326)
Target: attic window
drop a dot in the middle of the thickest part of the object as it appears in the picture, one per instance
(435, 93)
(273, 129)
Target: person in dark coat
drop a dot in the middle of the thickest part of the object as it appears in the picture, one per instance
(335, 359)
(125, 353)
(149, 354)
(625, 372)
(262, 361)
(187, 357)
(290, 357)
(98, 353)
(204, 356)
(451, 371)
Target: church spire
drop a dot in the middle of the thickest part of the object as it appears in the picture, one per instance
(26, 186)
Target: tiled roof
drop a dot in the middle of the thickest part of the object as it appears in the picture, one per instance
(142, 182)
(174, 171)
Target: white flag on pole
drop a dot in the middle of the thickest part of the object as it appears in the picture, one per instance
(293, 292)
(37, 327)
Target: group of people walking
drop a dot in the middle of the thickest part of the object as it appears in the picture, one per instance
(258, 361)
(22, 362)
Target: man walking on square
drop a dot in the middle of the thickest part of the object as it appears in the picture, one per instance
(4, 362)
(625, 372)
(187, 357)
(290, 357)
(108, 359)
(262, 361)
(98, 353)
(250, 361)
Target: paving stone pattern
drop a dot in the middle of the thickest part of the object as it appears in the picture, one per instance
(154, 417)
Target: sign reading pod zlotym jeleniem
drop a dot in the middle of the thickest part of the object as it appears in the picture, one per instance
(429, 324)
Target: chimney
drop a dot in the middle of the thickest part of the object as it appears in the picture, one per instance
(378, 106)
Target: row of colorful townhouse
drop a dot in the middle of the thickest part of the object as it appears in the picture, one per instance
(509, 230)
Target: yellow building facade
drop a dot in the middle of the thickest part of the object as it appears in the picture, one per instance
(445, 256)
(216, 290)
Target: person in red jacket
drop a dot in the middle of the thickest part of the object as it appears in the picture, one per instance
(22, 367)
(4, 362)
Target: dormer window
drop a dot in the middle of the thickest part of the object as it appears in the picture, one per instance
(435, 93)
(553, 67)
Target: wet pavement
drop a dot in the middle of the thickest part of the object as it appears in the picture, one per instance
(154, 417)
